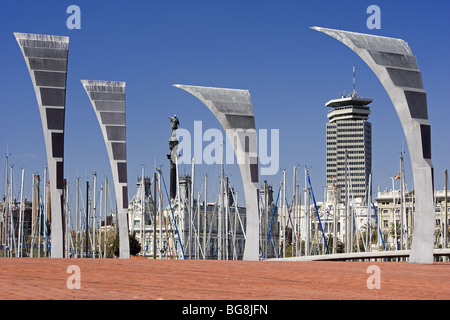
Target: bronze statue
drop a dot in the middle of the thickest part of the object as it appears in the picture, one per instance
(175, 122)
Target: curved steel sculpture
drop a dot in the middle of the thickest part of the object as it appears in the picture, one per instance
(396, 67)
(234, 110)
(46, 59)
(108, 100)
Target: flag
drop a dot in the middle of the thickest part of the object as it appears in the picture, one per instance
(397, 177)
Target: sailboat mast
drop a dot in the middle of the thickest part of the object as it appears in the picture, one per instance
(33, 212)
(402, 202)
(264, 235)
(161, 242)
(106, 212)
(204, 218)
(87, 220)
(154, 216)
(335, 217)
(294, 221)
(66, 220)
(3, 220)
(45, 215)
(369, 211)
(307, 220)
(191, 207)
(77, 208)
(197, 243)
(19, 252)
(141, 224)
(446, 212)
(283, 213)
(219, 232)
(347, 231)
(180, 217)
(227, 212)
(39, 217)
(100, 253)
(94, 212)
(7, 209)
(299, 215)
(12, 228)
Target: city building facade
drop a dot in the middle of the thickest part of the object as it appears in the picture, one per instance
(200, 236)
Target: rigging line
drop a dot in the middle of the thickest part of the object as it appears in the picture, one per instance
(209, 226)
(379, 229)
(325, 227)
(97, 200)
(172, 235)
(196, 235)
(5, 177)
(261, 212)
(43, 222)
(210, 237)
(171, 210)
(70, 237)
(352, 216)
(317, 212)
(270, 228)
(290, 220)
(239, 215)
(194, 229)
(163, 219)
(112, 205)
(12, 228)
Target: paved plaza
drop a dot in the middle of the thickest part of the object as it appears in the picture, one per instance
(143, 279)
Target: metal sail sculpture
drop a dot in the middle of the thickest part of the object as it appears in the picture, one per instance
(46, 57)
(396, 67)
(108, 100)
(234, 110)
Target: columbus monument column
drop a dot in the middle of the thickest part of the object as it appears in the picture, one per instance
(173, 143)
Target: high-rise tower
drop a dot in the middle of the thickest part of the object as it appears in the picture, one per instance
(349, 144)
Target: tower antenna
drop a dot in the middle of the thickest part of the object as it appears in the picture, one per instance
(354, 82)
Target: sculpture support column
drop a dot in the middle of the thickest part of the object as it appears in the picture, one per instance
(108, 100)
(234, 110)
(46, 58)
(396, 67)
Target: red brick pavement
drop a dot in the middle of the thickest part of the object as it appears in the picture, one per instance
(111, 279)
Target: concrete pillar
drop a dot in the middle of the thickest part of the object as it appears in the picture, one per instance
(234, 110)
(396, 67)
(46, 58)
(108, 100)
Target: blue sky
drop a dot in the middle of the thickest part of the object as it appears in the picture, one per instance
(265, 47)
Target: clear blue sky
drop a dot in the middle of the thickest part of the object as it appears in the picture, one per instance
(266, 47)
